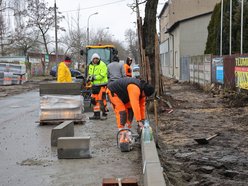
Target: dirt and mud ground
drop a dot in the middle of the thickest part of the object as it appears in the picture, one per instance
(196, 114)
(33, 83)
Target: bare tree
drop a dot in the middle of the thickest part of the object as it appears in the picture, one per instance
(23, 40)
(42, 17)
(107, 38)
(149, 33)
(23, 37)
(4, 31)
(75, 39)
(131, 38)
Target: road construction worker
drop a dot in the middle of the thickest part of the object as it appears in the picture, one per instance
(128, 98)
(115, 70)
(63, 72)
(97, 74)
(127, 67)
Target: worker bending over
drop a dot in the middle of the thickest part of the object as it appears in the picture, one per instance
(128, 98)
(97, 74)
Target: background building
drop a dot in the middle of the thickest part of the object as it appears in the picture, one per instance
(183, 32)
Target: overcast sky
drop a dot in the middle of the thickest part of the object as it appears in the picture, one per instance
(114, 14)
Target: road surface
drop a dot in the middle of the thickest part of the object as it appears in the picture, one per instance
(27, 157)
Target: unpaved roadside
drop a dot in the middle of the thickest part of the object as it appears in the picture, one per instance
(197, 114)
(33, 83)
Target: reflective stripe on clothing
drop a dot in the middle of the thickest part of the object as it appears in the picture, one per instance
(100, 99)
(99, 71)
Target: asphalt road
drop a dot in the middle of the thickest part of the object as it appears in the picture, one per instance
(27, 158)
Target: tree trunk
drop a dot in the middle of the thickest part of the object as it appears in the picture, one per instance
(157, 67)
(149, 31)
(47, 52)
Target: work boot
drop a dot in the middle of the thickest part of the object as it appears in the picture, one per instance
(96, 116)
(104, 117)
(104, 114)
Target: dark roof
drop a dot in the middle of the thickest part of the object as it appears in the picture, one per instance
(183, 20)
(163, 9)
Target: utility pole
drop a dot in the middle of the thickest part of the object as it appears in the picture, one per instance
(241, 34)
(56, 33)
(230, 30)
(221, 27)
(140, 42)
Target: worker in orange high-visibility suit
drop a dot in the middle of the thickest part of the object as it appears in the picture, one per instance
(127, 67)
(97, 74)
(63, 72)
(128, 98)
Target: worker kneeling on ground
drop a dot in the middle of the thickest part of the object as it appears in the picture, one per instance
(128, 98)
(97, 74)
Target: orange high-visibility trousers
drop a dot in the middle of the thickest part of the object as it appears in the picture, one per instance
(100, 100)
(123, 112)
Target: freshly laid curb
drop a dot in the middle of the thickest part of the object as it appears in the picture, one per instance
(65, 129)
(74, 147)
(152, 170)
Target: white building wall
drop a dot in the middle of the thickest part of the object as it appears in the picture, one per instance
(176, 53)
(165, 57)
(193, 37)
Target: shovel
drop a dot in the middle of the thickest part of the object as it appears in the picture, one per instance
(203, 141)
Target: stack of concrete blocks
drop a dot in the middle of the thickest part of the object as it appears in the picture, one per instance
(55, 107)
(61, 101)
(12, 74)
(69, 146)
(152, 170)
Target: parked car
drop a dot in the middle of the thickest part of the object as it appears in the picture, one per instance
(136, 71)
(74, 73)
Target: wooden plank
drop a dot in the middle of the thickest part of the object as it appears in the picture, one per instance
(129, 182)
(110, 182)
(60, 88)
(59, 121)
(119, 182)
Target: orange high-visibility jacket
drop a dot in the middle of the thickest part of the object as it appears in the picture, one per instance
(128, 70)
(129, 90)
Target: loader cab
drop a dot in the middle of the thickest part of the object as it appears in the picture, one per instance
(106, 52)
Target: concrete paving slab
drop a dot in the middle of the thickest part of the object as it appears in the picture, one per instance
(65, 129)
(74, 147)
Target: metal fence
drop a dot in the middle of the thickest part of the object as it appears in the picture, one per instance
(196, 69)
(229, 71)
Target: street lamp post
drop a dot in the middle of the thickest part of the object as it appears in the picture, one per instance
(56, 32)
(88, 30)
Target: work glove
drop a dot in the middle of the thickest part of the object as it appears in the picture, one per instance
(141, 123)
(91, 78)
